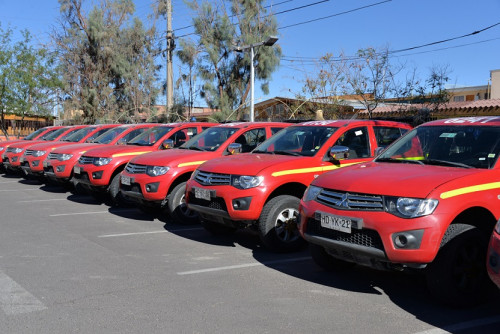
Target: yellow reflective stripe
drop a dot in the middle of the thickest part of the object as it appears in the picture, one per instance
(192, 163)
(471, 189)
(128, 153)
(311, 169)
(411, 158)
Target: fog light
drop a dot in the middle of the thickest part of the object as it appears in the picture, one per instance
(14, 159)
(408, 239)
(60, 168)
(97, 175)
(152, 187)
(242, 203)
(35, 163)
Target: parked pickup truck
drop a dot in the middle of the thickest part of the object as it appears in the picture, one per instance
(263, 189)
(99, 169)
(34, 155)
(158, 179)
(429, 202)
(60, 162)
(11, 157)
(32, 136)
(494, 256)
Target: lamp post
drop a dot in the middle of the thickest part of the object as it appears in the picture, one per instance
(268, 42)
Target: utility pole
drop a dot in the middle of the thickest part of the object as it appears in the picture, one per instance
(170, 50)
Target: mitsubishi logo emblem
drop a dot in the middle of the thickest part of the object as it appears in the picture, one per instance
(343, 201)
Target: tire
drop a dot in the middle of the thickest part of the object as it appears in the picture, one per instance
(326, 261)
(114, 192)
(216, 228)
(457, 276)
(277, 224)
(177, 208)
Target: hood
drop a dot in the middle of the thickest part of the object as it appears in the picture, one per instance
(391, 179)
(10, 142)
(76, 148)
(253, 164)
(109, 151)
(27, 143)
(48, 146)
(173, 157)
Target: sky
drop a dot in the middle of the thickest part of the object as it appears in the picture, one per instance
(311, 28)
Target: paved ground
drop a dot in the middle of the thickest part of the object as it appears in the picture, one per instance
(71, 264)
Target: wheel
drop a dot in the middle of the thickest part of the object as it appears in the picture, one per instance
(216, 228)
(326, 261)
(177, 208)
(114, 192)
(277, 224)
(458, 276)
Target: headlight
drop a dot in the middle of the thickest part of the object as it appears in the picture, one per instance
(406, 207)
(497, 227)
(38, 153)
(311, 193)
(17, 150)
(156, 170)
(64, 156)
(246, 182)
(101, 161)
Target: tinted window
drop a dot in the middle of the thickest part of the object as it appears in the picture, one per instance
(151, 136)
(357, 140)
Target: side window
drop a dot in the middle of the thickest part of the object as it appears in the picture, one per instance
(179, 137)
(274, 130)
(386, 135)
(358, 142)
(132, 134)
(250, 139)
(97, 134)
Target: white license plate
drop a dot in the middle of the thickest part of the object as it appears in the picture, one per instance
(337, 223)
(126, 180)
(202, 193)
(77, 170)
(45, 164)
(21, 160)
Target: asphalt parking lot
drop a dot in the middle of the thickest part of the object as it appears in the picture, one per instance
(69, 263)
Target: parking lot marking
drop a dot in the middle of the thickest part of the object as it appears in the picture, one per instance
(14, 299)
(6, 190)
(89, 213)
(239, 266)
(9, 182)
(43, 200)
(463, 326)
(150, 232)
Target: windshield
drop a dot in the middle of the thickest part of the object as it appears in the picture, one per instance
(150, 137)
(34, 134)
(78, 135)
(458, 146)
(210, 139)
(109, 135)
(54, 134)
(297, 140)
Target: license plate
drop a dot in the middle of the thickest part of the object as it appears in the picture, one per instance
(337, 223)
(77, 170)
(202, 193)
(21, 160)
(45, 164)
(125, 180)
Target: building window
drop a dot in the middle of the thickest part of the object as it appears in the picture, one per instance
(458, 98)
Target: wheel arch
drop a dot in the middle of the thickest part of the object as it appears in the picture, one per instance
(296, 189)
(477, 216)
(178, 180)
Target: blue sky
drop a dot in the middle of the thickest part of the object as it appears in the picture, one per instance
(397, 24)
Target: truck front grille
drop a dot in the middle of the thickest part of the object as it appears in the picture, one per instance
(52, 156)
(343, 200)
(135, 168)
(216, 179)
(84, 160)
(28, 152)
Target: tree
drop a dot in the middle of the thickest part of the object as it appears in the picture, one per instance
(29, 78)
(108, 59)
(225, 73)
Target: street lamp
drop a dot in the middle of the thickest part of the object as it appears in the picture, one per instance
(268, 42)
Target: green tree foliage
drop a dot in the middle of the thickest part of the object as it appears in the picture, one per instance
(29, 78)
(224, 72)
(108, 56)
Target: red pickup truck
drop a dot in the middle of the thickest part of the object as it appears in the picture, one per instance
(34, 155)
(428, 202)
(263, 189)
(32, 136)
(59, 164)
(158, 179)
(494, 256)
(12, 155)
(98, 170)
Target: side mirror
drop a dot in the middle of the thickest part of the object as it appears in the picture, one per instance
(339, 152)
(168, 143)
(379, 150)
(234, 148)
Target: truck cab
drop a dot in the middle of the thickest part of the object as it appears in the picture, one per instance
(427, 203)
(158, 179)
(263, 189)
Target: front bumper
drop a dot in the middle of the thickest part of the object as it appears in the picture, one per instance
(91, 175)
(146, 188)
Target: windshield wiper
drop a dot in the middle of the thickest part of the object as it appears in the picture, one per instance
(295, 154)
(402, 161)
(446, 163)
